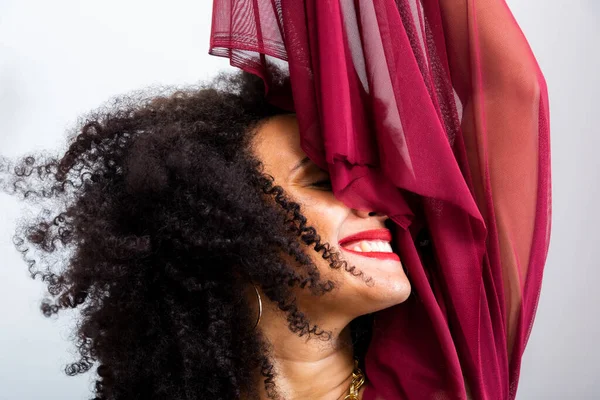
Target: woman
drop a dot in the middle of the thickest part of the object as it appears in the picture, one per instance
(209, 257)
(184, 213)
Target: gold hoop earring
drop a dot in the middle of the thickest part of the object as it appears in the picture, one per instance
(259, 306)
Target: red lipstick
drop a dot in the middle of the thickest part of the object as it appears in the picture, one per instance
(373, 234)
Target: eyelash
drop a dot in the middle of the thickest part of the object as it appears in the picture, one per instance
(322, 183)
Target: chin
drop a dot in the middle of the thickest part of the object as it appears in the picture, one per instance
(388, 284)
(385, 292)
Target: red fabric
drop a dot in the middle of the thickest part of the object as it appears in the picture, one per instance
(436, 113)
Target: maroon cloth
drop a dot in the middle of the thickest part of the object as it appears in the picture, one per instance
(434, 112)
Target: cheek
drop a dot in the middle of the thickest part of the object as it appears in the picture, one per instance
(327, 216)
(327, 219)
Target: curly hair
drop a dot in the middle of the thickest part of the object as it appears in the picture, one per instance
(165, 216)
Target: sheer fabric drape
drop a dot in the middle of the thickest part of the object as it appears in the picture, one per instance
(434, 112)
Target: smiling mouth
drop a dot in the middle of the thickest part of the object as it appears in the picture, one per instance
(375, 254)
(373, 243)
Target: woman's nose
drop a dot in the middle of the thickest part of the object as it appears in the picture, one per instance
(369, 214)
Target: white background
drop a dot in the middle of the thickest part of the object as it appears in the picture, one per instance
(61, 58)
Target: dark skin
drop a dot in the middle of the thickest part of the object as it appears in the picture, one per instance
(313, 368)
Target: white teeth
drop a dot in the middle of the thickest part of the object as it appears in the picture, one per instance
(372, 246)
(365, 246)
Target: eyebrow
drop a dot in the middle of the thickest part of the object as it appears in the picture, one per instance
(300, 163)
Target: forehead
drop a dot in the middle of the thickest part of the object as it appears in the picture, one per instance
(277, 144)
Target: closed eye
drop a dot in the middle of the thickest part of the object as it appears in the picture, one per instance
(323, 184)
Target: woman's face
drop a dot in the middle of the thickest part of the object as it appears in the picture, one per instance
(277, 145)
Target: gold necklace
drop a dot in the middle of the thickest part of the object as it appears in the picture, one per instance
(358, 379)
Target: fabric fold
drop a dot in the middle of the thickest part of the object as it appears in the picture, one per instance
(435, 113)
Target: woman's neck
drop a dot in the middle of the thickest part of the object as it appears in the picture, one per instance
(309, 368)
